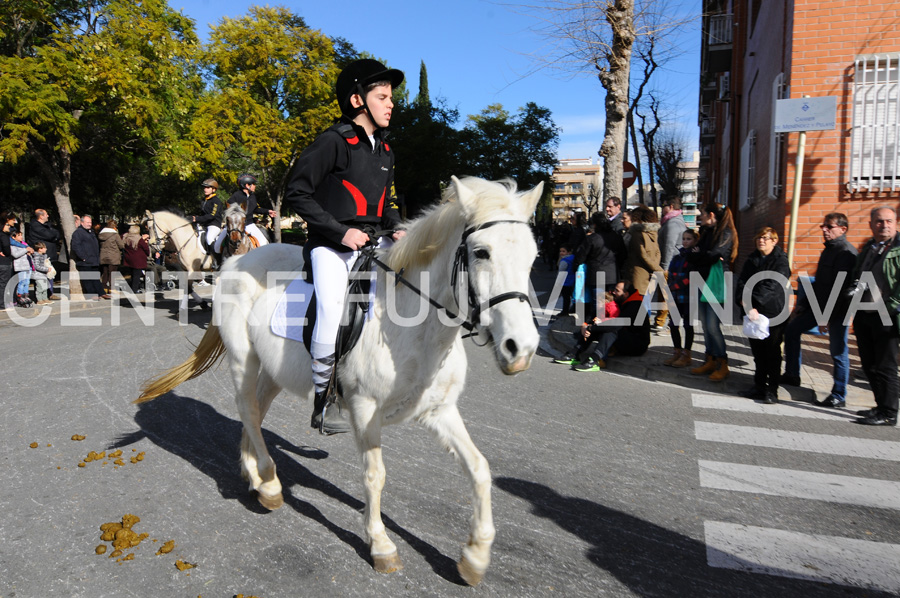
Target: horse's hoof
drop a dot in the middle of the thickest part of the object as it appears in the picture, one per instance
(469, 573)
(387, 563)
(270, 502)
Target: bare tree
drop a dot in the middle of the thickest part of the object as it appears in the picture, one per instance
(669, 153)
(597, 37)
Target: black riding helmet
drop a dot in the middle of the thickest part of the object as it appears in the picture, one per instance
(246, 179)
(359, 74)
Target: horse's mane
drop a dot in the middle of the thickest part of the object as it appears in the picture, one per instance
(172, 213)
(234, 207)
(431, 231)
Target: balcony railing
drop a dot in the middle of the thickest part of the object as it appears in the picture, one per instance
(720, 30)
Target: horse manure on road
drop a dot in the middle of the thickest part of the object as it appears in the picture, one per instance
(115, 456)
(78, 437)
(122, 537)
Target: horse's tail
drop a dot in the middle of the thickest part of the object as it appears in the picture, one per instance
(207, 353)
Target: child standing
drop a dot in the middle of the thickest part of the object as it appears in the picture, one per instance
(41, 268)
(567, 265)
(679, 285)
(22, 266)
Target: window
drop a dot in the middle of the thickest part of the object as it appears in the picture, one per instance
(780, 91)
(875, 133)
(748, 172)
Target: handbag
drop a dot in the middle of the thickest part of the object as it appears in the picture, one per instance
(758, 329)
(713, 290)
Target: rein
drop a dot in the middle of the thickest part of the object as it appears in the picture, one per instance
(161, 240)
(460, 264)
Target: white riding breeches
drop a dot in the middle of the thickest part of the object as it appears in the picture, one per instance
(331, 275)
(212, 233)
(257, 234)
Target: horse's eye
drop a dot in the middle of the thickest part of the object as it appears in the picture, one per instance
(482, 254)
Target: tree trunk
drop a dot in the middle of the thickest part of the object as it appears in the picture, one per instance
(614, 79)
(59, 175)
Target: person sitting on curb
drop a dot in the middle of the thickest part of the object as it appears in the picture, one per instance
(628, 334)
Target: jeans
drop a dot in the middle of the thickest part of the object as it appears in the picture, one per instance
(837, 340)
(712, 331)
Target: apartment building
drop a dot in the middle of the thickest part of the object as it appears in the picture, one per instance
(755, 52)
(577, 187)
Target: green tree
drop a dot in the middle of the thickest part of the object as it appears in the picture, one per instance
(274, 81)
(119, 76)
(426, 145)
(495, 145)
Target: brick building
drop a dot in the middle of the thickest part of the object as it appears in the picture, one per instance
(757, 51)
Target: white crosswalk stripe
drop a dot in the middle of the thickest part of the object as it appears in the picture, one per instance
(844, 561)
(786, 553)
(790, 409)
(826, 444)
(880, 494)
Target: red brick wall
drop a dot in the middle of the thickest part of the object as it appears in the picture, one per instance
(827, 37)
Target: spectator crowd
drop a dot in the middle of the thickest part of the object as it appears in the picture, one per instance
(633, 273)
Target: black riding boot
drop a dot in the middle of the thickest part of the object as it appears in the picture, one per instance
(334, 423)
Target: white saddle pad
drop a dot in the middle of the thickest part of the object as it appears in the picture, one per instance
(289, 315)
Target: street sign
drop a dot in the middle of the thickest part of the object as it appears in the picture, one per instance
(805, 114)
(629, 175)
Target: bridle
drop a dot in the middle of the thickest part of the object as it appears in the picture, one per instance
(162, 237)
(460, 265)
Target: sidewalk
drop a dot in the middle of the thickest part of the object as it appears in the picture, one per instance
(815, 374)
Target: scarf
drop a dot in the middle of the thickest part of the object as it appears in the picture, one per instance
(670, 215)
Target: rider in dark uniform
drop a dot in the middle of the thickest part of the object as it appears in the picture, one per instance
(211, 212)
(341, 184)
(246, 194)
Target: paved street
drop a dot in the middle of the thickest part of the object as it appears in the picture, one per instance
(605, 484)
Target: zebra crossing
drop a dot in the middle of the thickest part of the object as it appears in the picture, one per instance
(783, 552)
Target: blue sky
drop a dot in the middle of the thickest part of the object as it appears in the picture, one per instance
(476, 53)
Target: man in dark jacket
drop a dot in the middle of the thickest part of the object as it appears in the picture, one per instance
(876, 323)
(834, 274)
(86, 252)
(40, 230)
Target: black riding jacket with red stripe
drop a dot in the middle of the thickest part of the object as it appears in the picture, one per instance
(341, 182)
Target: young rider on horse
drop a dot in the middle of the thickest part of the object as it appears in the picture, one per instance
(342, 183)
(246, 194)
(211, 212)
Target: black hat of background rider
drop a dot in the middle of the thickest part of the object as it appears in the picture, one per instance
(357, 75)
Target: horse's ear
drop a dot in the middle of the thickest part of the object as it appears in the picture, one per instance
(244, 207)
(148, 213)
(464, 195)
(530, 200)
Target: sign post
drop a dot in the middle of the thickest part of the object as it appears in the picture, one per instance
(802, 114)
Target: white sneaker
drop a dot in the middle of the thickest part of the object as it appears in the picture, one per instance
(202, 283)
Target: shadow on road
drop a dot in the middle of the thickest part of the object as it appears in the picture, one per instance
(652, 560)
(210, 441)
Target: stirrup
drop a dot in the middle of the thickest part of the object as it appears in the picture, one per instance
(327, 421)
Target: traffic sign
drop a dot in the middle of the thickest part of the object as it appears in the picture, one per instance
(629, 175)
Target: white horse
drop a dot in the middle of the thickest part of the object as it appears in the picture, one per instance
(171, 232)
(397, 372)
